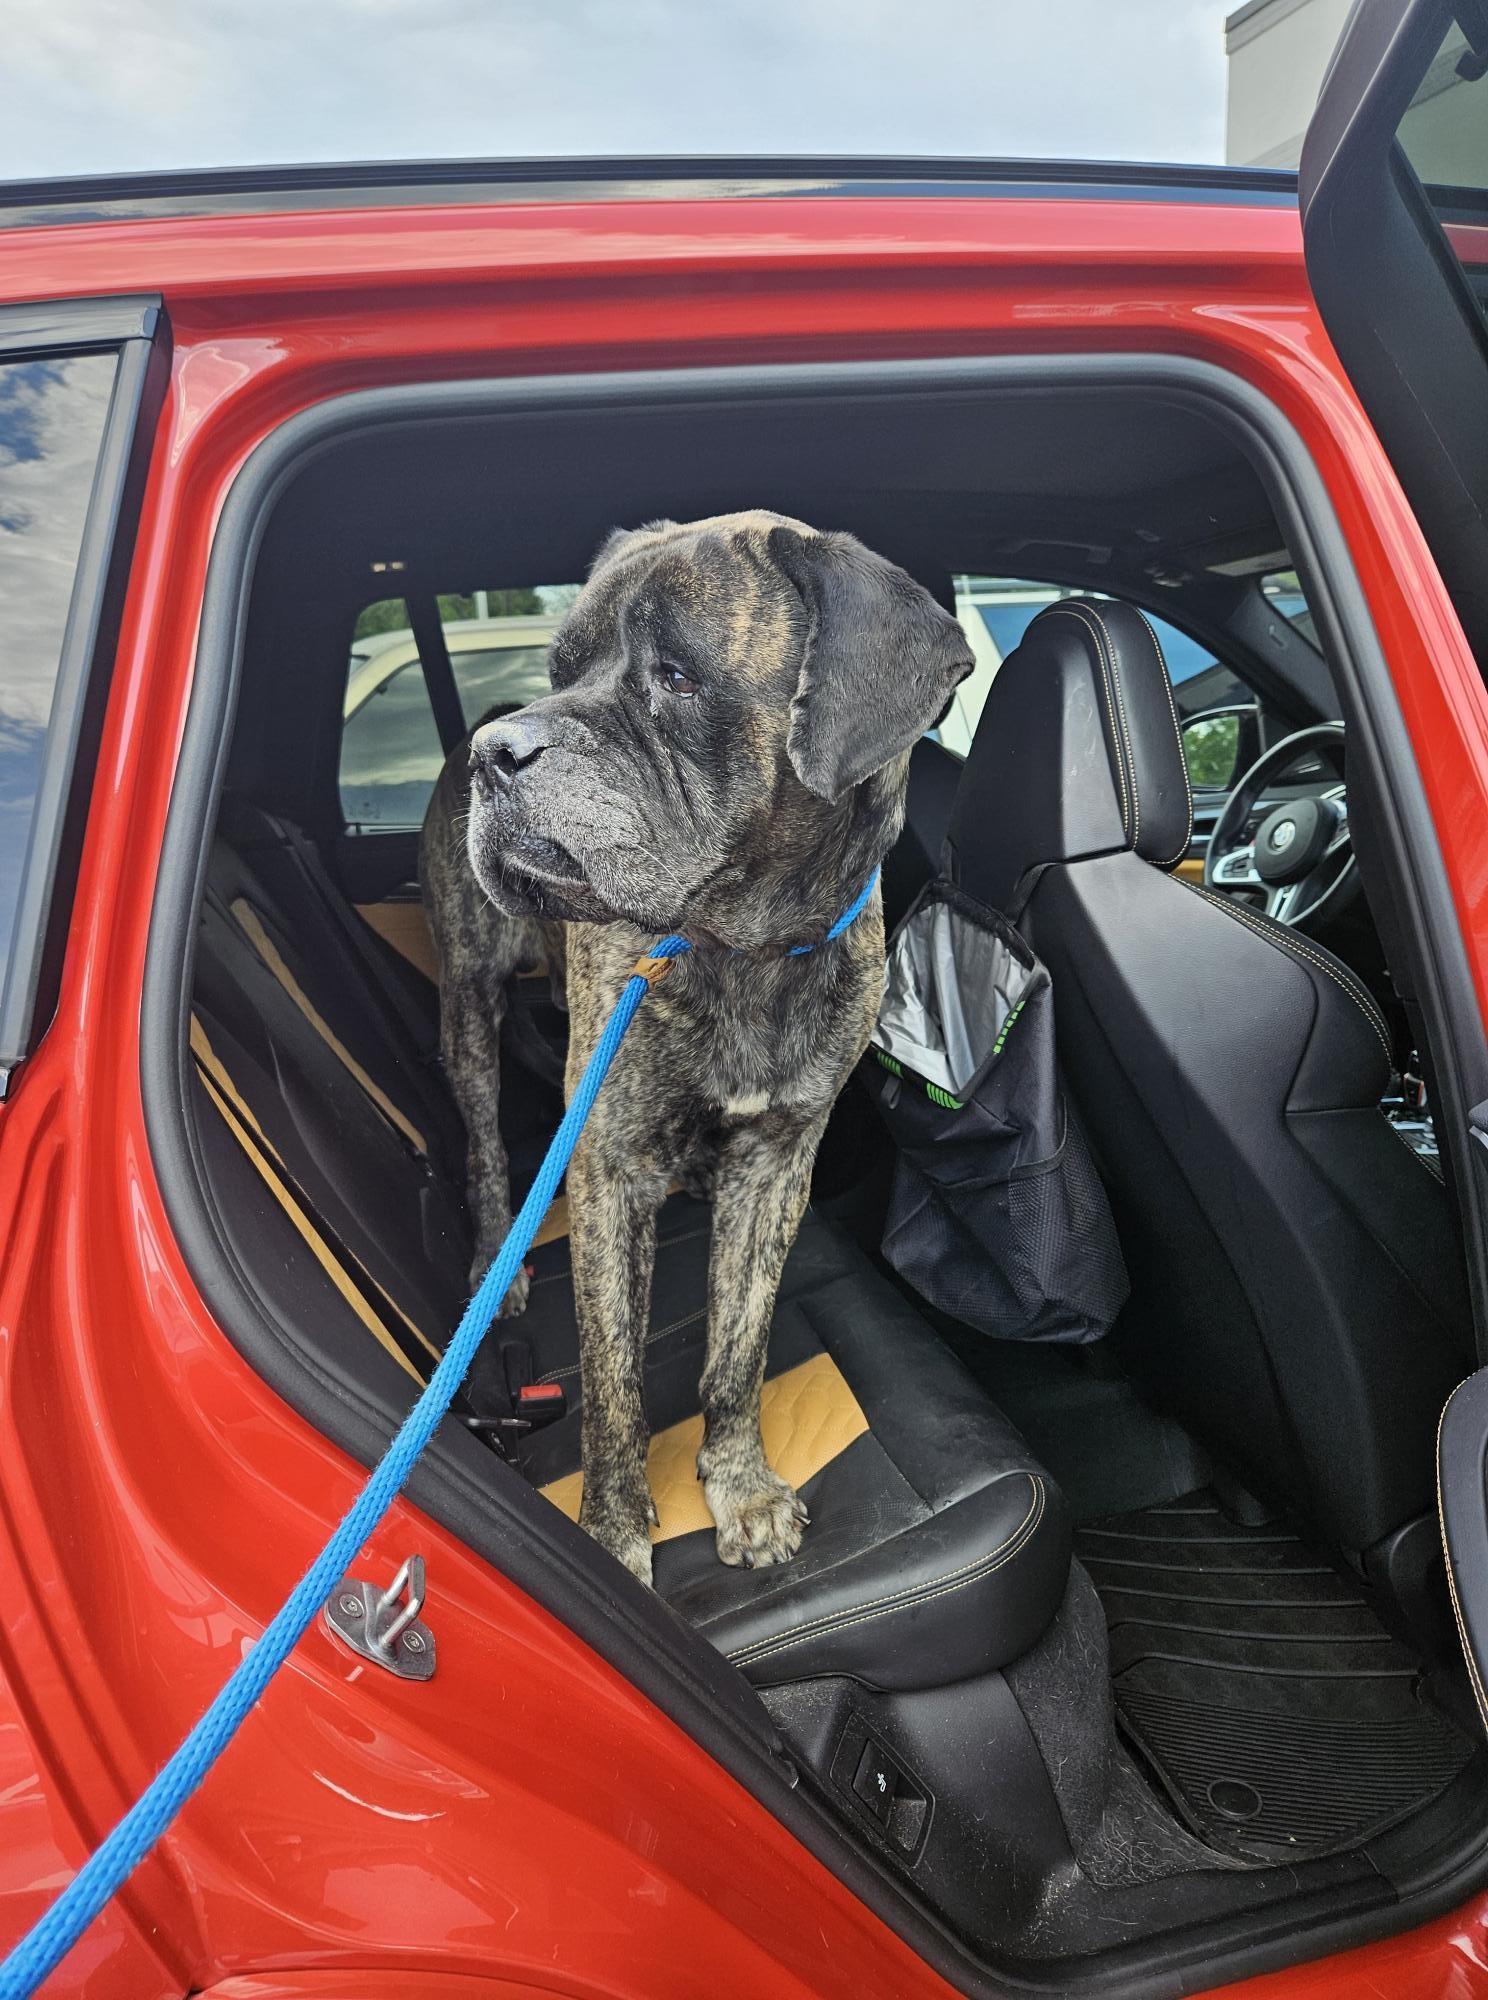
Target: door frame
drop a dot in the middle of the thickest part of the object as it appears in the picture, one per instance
(573, 1579)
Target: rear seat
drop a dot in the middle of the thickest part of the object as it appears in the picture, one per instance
(937, 1548)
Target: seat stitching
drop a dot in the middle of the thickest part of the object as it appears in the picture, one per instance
(1281, 934)
(656, 1333)
(1075, 611)
(1400, 1139)
(942, 1586)
(1441, 1516)
(1284, 940)
(1131, 752)
(907, 1595)
(1131, 815)
(1173, 860)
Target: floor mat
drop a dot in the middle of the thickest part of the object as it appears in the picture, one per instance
(1264, 1695)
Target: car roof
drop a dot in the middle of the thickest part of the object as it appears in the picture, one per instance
(455, 183)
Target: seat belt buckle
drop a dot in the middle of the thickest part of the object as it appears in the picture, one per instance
(540, 1403)
(535, 1405)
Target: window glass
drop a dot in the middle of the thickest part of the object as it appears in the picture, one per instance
(1211, 749)
(390, 749)
(52, 415)
(995, 612)
(391, 755)
(1283, 592)
(509, 678)
(1444, 135)
(1008, 620)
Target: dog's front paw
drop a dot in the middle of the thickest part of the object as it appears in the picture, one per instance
(516, 1297)
(515, 1301)
(756, 1527)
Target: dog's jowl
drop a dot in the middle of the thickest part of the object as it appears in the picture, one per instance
(723, 754)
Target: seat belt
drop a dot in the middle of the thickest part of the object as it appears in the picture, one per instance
(359, 937)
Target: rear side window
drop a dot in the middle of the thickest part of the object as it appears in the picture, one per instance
(81, 381)
(496, 644)
(52, 417)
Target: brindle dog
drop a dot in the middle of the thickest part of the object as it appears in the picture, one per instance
(723, 754)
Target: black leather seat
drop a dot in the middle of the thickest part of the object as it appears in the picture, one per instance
(937, 1549)
(1297, 1296)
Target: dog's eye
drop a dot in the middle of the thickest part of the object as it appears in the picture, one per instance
(675, 681)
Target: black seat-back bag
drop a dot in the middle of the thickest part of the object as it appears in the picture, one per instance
(997, 1214)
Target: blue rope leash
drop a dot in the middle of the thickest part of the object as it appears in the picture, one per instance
(849, 917)
(110, 1865)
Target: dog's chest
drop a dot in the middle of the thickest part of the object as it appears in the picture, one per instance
(742, 1041)
(729, 1038)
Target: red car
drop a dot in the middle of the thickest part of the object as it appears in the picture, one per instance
(1124, 1669)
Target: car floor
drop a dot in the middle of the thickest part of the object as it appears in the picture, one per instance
(1257, 1685)
(1253, 1683)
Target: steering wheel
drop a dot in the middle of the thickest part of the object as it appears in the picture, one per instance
(1300, 857)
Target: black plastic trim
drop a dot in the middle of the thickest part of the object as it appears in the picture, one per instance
(68, 325)
(395, 183)
(504, 1521)
(135, 329)
(1393, 296)
(427, 627)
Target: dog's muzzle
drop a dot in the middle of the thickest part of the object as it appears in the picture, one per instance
(500, 751)
(519, 865)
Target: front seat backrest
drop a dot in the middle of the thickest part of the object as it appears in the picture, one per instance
(1297, 1296)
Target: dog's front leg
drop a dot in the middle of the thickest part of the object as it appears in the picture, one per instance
(759, 1197)
(614, 1247)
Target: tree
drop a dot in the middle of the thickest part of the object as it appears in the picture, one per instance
(388, 614)
(499, 604)
(1211, 749)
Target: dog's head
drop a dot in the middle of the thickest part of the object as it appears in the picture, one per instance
(721, 689)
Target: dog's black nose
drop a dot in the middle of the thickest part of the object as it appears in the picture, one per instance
(501, 749)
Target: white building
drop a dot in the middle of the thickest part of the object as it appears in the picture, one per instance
(1278, 51)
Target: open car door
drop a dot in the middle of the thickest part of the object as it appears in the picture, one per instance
(1394, 193)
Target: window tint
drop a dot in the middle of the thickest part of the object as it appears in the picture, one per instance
(1444, 135)
(1007, 621)
(995, 612)
(391, 755)
(509, 678)
(1283, 592)
(1211, 749)
(52, 416)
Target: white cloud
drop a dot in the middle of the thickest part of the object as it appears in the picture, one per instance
(95, 85)
(51, 422)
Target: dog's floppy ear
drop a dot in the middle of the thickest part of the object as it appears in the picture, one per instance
(615, 542)
(882, 659)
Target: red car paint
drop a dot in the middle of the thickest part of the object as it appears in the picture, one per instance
(156, 1499)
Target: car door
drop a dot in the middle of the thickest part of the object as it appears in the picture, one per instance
(1394, 194)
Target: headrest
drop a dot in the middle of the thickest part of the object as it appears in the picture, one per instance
(1076, 754)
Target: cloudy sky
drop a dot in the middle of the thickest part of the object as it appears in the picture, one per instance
(95, 85)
